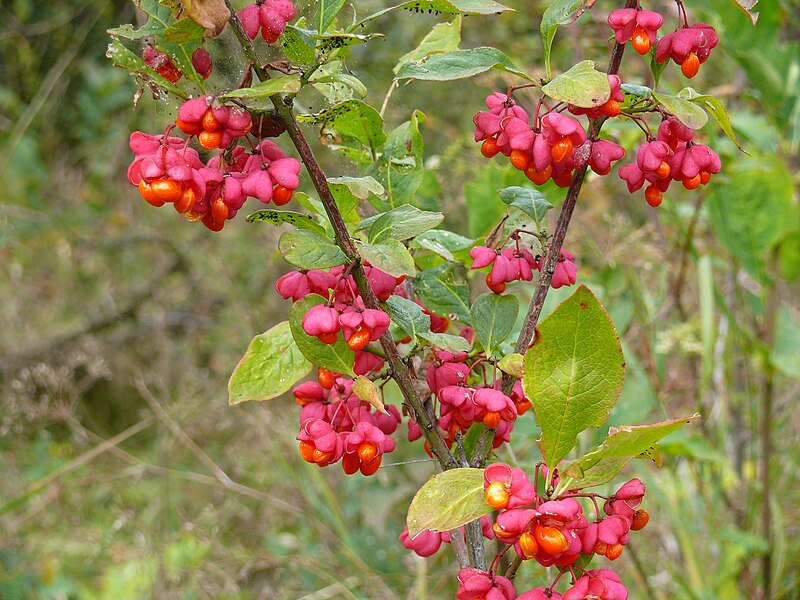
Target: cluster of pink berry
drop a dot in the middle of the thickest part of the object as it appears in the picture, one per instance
(689, 46)
(554, 146)
(335, 425)
(345, 311)
(672, 156)
(269, 17)
(518, 264)
(461, 403)
(167, 170)
(553, 532)
(597, 584)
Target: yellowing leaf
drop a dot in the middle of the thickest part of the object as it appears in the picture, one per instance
(211, 14)
(365, 390)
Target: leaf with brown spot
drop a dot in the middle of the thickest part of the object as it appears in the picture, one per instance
(211, 14)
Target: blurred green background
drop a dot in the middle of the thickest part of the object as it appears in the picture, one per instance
(126, 475)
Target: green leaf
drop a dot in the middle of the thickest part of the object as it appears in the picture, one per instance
(310, 250)
(685, 111)
(513, 364)
(290, 84)
(349, 191)
(408, 316)
(446, 341)
(353, 119)
(390, 256)
(786, 355)
(560, 12)
(716, 109)
(330, 42)
(446, 501)
(573, 372)
(464, 7)
(633, 92)
(402, 223)
(326, 13)
(158, 19)
(337, 358)
(528, 200)
(125, 59)
(444, 37)
(183, 31)
(604, 471)
(752, 210)
(360, 187)
(622, 443)
(447, 240)
(432, 245)
(271, 366)
(493, 318)
(298, 45)
(281, 217)
(746, 6)
(311, 204)
(458, 64)
(399, 167)
(453, 7)
(441, 295)
(129, 32)
(354, 83)
(582, 85)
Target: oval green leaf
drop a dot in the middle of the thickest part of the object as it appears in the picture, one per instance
(716, 109)
(493, 318)
(573, 372)
(582, 85)
(685, 111)
(309, 250)
(271, 366)
(352, 119)
(408, 316)
(441, 294)
(459, 64)
(290, 84)
(403, 222)
(281, 217)
(448, 500)
(390, 256)
(528, 200)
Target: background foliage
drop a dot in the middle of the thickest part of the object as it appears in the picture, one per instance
(126, 475)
